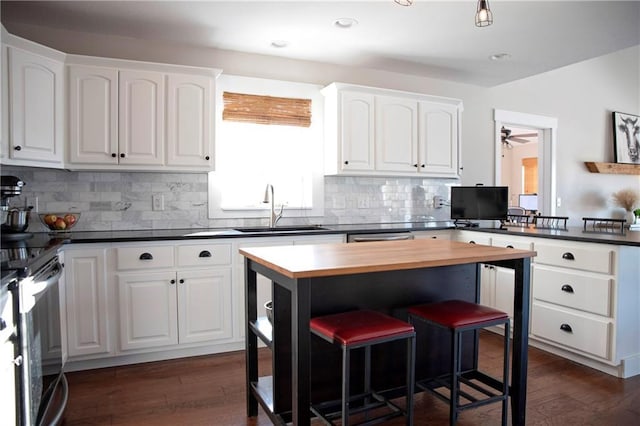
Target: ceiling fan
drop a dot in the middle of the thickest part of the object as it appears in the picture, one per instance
(507, 137)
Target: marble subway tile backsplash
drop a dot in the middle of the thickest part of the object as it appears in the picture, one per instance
(120, 201)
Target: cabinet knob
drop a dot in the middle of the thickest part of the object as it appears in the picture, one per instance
(18, 148)
(567, 288)
(205, 253)
(146, 256)
(172, 281)
(566, 327)
(122, 155)
(415, 165)
(206, 157)
(422, 165)
(181, 281)
(568, 256)
(18, 361)
(114, 155)
(346, 162)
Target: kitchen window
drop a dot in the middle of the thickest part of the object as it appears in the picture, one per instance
(249, 156)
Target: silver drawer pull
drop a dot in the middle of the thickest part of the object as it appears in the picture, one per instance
(205, 253)
(146, 256)
(567, 288)
(566, 327)
(568, 256)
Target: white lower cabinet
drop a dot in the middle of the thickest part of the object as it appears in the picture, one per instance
(89, 307)
(584, 298)
(169, 308)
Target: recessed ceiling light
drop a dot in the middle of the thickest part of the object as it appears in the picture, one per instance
(279, 44)
(404, 2)
(500, 57)
(345, 23)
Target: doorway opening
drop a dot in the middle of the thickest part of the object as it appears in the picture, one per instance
(525, 157)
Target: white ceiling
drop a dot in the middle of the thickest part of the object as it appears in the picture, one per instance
(430, 38)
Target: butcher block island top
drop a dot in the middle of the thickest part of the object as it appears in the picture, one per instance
(322, 260)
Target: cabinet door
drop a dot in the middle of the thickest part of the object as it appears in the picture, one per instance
(93, 115)
(87, 302)
(204, 305)
(141, 115)
(36, 103)
(438, 146)
(190, 121)
(504, 290)
(357, 131)
(148, 310)
(396, 134)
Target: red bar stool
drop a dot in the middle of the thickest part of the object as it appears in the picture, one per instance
(458, 317)
(363, 329)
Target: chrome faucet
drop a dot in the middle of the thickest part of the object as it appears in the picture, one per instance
(268, 198)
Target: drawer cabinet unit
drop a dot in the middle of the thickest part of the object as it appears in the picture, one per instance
(573, 297)
(584, 298)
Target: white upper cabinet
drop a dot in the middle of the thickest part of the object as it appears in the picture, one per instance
(93, 115)
(141, 128)
(190, 120)
(380, 132)
(128, 115)
(438, 138)
(396, 134)
(33, 95)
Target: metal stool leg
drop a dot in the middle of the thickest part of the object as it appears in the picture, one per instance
(455, 368)
(346, 359)
(411, 353)
(505, 374)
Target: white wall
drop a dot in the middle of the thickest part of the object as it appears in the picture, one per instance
(582, 97)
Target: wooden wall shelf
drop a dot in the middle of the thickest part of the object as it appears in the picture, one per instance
(613, 168)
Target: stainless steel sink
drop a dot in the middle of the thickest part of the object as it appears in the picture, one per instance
(299, 228)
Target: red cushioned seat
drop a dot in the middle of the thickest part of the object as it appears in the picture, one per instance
(353, 327)
(456, 313)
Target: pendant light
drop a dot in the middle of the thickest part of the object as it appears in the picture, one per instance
(484, 17)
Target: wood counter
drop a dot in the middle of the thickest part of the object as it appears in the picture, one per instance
(388, 276)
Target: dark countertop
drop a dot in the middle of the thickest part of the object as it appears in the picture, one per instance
(630, 238)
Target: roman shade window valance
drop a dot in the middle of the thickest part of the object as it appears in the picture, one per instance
(266, 109)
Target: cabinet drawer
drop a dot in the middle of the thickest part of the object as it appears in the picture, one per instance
(571, 329)
(517, 244)
(588, 258)
(144, 257)
(577, 290)
(204, 254)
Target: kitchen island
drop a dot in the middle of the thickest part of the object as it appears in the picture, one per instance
(387, 276)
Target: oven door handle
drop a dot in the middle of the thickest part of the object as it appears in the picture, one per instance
(40, 283)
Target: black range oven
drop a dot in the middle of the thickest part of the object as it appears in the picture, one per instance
(42, 389)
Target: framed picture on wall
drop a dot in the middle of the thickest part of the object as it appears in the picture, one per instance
(626, 138)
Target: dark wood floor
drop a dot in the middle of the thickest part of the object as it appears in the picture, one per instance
(209, 390)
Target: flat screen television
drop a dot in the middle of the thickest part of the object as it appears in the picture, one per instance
(479, 202)
(528, 201)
